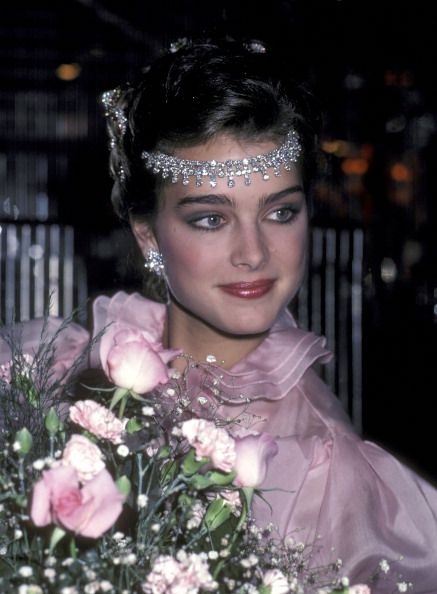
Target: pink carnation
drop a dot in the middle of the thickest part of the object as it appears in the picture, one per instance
(90, 510)
(211, 442)
(98, 420)
(186, 573)
(84, 456)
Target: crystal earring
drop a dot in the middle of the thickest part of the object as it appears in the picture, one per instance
(154, 262)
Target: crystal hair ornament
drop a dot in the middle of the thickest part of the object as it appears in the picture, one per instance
(174, 168)
(154, 262)
(110, 100)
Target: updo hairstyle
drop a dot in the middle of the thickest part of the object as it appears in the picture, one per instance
(187, 97)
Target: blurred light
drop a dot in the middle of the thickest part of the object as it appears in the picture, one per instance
(356, 166)
(396, 124)
(36, 251)
(353, 82)
(12, 245)
(412, 253)
(399, 172)
(389, 271)
(68, 71)
(42, 206)
(340, 148)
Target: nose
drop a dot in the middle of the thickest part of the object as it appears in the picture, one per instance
(250, 248)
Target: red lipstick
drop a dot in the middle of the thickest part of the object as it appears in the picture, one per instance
(249, 290)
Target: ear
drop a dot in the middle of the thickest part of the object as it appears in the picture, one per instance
(144, 235)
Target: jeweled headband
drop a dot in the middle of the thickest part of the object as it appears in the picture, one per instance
(174, 168)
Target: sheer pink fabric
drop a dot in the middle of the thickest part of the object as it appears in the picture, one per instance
(326, 485)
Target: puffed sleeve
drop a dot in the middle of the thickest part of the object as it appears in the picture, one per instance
(352, 498)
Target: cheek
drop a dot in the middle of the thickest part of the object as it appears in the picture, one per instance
(184, 256)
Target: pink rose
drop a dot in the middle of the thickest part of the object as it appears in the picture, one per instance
(84, 456)
(359, 589)
(89, 510)
(133, 362)
(277, 581)
(98, 420)
(211, 442)
(253, 454)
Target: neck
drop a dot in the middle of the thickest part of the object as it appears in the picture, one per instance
(199, 340)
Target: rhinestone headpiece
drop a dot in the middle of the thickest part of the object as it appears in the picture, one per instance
(171, 167)
(110, 101)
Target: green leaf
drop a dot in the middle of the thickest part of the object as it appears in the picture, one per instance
(133, 425)
(21, 501)
(124, 485)
(221, 478)
(52, 422)
(200, 481)
(264, 589)
(119, 393)
(57, 535)
(218, 512)
(163, 452)
(24, 438)
(190, 465)
(168, 472)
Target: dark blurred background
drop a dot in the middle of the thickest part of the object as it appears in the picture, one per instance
(372, 66)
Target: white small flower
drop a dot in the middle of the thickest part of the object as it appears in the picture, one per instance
(16, 446)
(385, 567)
(148, 411)
(213, 555)
(142, 500)
(68, 561)
(130, 559)
(25, 571)
(50, 574)
(118, 536)
(29, 589)
(123, 451)
(69, 590)
(211, 358)
(171, 391)
(18, 534)
(345, 582)
(3, 551)
(402, 586)
(106, 586)
(155, 528)
(38, 464)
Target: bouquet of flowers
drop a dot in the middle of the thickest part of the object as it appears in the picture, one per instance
(122, 492)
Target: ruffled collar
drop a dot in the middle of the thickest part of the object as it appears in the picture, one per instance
(269, 372)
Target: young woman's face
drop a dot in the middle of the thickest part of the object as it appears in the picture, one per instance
(234, 257)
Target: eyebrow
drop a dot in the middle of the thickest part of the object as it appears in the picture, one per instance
(224, 200)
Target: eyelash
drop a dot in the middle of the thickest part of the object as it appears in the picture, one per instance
(293, 211)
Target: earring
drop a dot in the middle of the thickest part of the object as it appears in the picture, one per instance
(154, 262)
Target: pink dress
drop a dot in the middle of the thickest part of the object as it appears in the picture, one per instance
(326, 485)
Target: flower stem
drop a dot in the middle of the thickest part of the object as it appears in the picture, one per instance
(248, 493)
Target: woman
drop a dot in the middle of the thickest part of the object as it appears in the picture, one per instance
(211, 155)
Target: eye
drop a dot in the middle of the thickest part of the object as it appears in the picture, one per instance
(282, 215)
(208, 222)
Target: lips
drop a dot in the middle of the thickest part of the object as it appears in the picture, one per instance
(249, 290)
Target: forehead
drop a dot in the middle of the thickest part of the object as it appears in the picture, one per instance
(224, 149)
